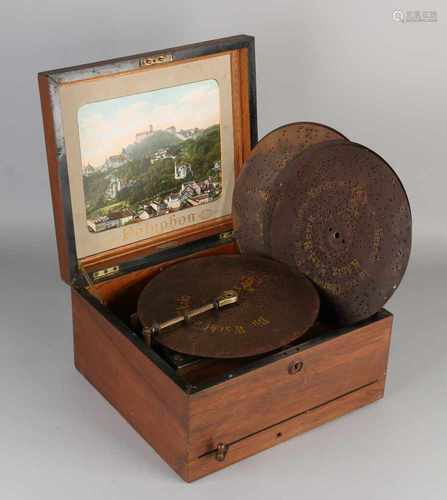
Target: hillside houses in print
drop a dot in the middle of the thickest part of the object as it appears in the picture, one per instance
(179, 175)
(159, 171)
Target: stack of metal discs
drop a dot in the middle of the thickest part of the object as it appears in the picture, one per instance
(330, 209)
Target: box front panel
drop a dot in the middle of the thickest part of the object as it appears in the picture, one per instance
(285, 430)
(249, 403)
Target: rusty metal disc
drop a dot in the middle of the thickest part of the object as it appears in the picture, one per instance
(343, 219)
(275, 306)
(256, 192)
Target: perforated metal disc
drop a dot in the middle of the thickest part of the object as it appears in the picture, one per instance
(344, 220)
(274, 307)
(255, 192)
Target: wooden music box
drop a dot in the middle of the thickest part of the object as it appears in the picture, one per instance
(143, 154)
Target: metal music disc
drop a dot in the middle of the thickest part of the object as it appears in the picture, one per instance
(255, 192)
(343, 220)
(275, 306)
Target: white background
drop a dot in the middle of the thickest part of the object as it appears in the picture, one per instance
(344, 63)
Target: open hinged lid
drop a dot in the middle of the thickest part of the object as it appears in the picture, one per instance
(143, 152)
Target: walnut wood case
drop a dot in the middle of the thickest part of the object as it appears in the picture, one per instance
(205, 416)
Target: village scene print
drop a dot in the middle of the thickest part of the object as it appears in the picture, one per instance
(150, 154)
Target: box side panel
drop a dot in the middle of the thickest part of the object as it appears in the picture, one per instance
(152, 403)
(287, 429)
(249, 403)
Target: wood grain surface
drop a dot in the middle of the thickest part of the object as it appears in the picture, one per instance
(251, 412)
(287, 429)
(229, 411)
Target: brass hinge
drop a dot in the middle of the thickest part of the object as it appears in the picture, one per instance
(90, 284)
(161, 59)
(225, 236)
(86, 276)
(105, 273)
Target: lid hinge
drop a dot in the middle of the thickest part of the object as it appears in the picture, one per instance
(226, 236)
(90, 283)
(105, 273)
(86, 276)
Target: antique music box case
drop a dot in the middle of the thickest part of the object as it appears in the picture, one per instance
(143, 153)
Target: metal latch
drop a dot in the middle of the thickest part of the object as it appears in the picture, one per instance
(161, 59)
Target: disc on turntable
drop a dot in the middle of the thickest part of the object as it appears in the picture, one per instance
(343, 219)
(256, 192)
(274, 306)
